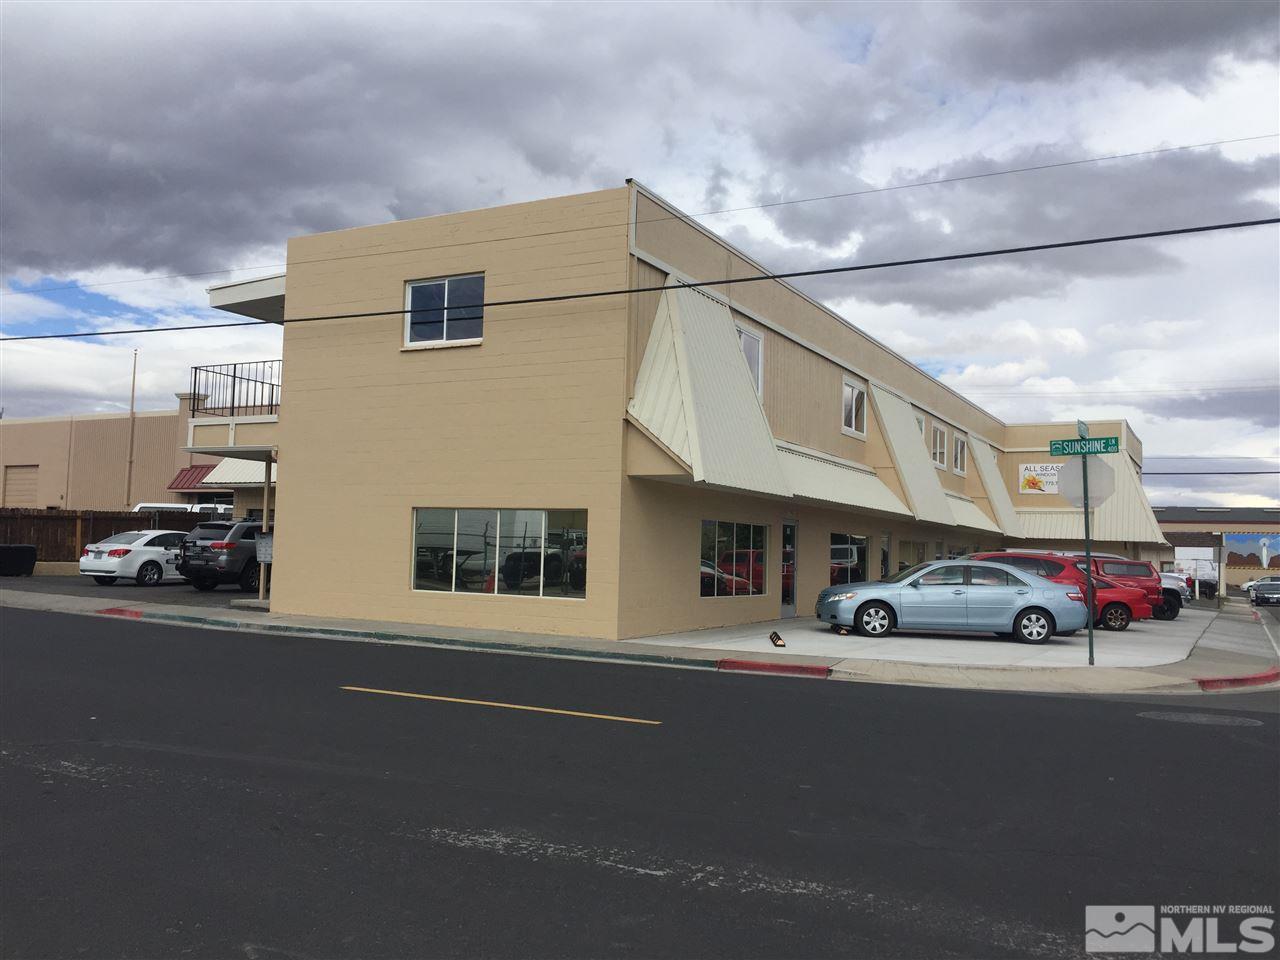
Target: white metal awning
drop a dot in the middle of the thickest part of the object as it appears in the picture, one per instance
(1123, 517)
(696, 395)
(916, 471)
(818, 478)
(969, 514)
(237, 473)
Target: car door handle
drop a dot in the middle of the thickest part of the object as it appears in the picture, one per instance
(957, 592)
(1023, 592)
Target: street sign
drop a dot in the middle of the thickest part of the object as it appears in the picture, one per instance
(1082, 429)
(1087, 445)
(1102, 481)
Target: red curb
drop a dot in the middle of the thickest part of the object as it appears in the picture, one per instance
(788, 669)
(1250, 680)
(121, 612)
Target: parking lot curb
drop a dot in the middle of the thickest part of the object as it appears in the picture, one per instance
(1248, 680)
(820, 671)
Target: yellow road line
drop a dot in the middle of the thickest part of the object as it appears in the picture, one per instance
(505, 706)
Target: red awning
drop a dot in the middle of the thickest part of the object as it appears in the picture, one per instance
(189, 478)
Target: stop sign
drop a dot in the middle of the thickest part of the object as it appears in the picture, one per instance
(1102, 481)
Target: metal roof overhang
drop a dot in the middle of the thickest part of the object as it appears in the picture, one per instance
(969, 514)
(261, 299)
(233, 472)
(916, 471)
(818, 478)
(189, 478)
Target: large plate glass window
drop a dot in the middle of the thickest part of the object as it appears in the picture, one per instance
(444, 311)
(733, 559)
(853, 404)
(753, 350)
(530, 553)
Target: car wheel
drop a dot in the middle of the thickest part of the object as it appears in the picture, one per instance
(205, 585)
(249, 577)
(149, 574)
(104, 581)
(874, 620)
(1168, 610)
(1115, 616)
(1033, 626)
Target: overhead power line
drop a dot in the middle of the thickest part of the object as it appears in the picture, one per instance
(597, 294)
(1208, 473)
(688, 216)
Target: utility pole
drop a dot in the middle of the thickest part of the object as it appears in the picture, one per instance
(133, 393)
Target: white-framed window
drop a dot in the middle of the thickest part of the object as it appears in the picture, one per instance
(853, 409)
(920, 423)
(529, 553)
(960, 454)
(445, 311)
(938, 448)
(753, 350)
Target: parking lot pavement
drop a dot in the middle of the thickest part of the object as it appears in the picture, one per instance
(124, 592)
(1148, 643)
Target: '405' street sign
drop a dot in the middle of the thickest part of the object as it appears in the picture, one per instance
(1074, 448)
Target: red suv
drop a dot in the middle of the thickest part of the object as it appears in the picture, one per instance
(1135, 573)
(1070, 568)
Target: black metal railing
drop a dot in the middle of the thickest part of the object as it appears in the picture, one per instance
(236, 389)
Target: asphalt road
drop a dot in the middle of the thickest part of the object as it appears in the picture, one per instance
(172, 792)
(126, 591)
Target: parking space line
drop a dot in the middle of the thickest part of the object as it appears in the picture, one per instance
(504, 706)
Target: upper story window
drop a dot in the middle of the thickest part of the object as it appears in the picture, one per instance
(853, 409)
(960, 455)
(753, 349)
(938, 447)
(444, 311)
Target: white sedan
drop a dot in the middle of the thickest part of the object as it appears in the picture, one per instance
(147, 556)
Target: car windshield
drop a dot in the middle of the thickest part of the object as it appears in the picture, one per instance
(132, 537)
(904, 574)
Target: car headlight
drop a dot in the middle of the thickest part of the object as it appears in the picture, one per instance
(842, 596)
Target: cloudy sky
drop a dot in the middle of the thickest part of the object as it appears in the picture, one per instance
(140, 141)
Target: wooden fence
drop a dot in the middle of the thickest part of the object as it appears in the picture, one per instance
(62, 534)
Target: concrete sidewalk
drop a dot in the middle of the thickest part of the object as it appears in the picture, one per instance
(1232, 647)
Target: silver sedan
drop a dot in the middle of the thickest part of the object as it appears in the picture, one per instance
(957, 595)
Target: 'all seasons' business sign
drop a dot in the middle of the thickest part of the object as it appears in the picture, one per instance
(1038, 477)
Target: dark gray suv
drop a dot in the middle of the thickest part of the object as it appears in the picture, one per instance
(221, 551)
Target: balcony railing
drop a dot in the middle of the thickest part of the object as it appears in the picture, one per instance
(236, 389)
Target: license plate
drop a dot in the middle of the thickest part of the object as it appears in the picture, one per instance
(97, 555)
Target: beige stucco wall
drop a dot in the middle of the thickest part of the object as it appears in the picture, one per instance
(661, 543)
(530, 418)
(83, 460)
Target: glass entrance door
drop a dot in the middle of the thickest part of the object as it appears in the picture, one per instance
(788, 578)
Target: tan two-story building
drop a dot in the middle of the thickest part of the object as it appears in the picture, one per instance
(458, 431)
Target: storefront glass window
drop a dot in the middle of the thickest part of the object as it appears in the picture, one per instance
(521, 552)
(565, 562)
(733, 558)
(848, 558)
